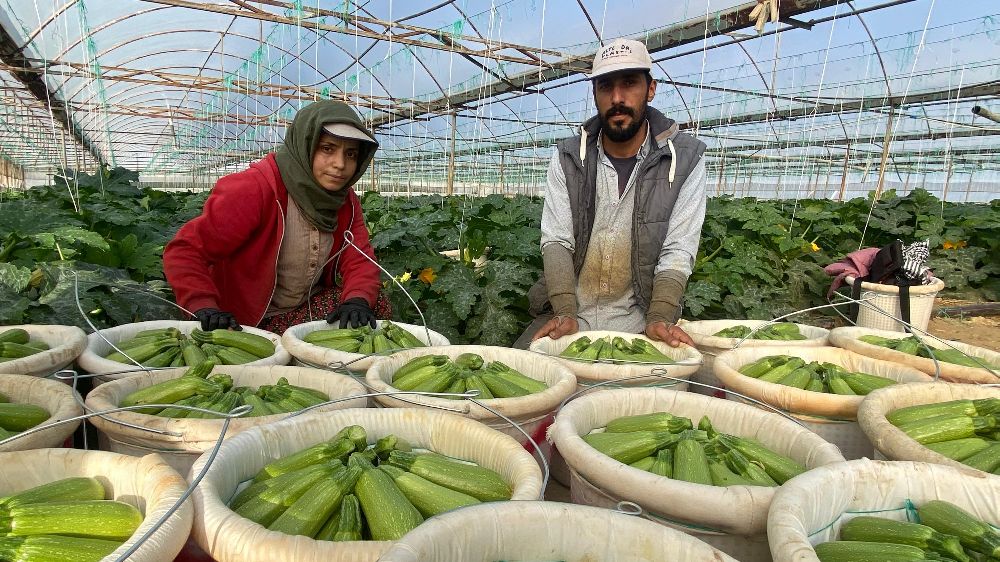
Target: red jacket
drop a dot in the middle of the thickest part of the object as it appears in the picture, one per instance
(226, 258)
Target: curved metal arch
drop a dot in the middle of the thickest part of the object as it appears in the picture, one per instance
(121, 120)
(878, 53)
(678, 90)
(213, 127)
(236, 100)
(112, 22)
(140, 130)
(55, 15)
(116, 121)
(169, 51)
(357, 60)
(503, 102)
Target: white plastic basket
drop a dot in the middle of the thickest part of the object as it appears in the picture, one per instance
(529, 530)
(812, 507)
(65, 344)
(227, 537)
(93, 361)
(886, 298)
(588, 374)
(309, 355)
(710, 346)
(146, 483)
(532, 412)
(57, 398)
(186, 439)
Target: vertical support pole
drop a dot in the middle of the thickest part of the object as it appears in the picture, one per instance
(722, 168)
(451, 155)
(947, 180)
(503, 187)
(885, 152)
(843, 180)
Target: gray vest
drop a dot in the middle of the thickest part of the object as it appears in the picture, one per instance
(655, 195)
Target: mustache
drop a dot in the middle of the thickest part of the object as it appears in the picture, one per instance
(619, 110)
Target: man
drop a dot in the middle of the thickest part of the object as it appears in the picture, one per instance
(624, 206)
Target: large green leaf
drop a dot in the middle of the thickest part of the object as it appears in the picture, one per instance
(494, 324)
(14, 278)
(442, 319)
(456, 284)
(700, 295)
(13, 307)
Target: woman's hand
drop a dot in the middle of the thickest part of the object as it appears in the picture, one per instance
(353, 312)
(215, 319)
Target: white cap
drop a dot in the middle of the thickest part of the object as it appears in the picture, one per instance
(348, 131)
(621, 54)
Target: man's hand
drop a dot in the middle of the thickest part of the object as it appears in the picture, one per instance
(215, 319)
(671, 334)
(558, 327)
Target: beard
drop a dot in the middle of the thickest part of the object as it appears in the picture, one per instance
(622, 134)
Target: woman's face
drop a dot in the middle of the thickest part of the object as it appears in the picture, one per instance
(334, 161)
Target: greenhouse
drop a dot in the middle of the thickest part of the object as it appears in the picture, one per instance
(460, 280)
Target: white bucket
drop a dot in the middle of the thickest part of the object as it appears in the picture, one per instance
(65, 343)
(599, 374)
(180, 441)
(146, 483)
(310, 355)
(886, 299)
(811, 508)
(93, 361)
(529, 412)
(58, 399)
(710, 346)
(230, 538)
(546, 531)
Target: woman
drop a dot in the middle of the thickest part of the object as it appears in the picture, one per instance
(269, 248)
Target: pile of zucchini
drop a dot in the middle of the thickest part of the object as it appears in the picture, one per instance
(912, 346)
(345, 490)
(16, 343)
(64, 521)
(168, 347)
(945, 532)
(615, 350)
(967, 431)
(468, 371)
(364, 340)
(814, 376)
(15, 418)
(667, 445)
(780, 331)
(217, 393)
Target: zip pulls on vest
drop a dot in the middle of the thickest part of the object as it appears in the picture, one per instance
(670, 146)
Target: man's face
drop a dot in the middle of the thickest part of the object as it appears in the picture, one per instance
(621, 100)
(334, 161)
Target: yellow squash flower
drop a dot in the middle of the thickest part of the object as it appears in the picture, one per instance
(427, 275)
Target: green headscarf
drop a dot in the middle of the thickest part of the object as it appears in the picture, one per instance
(295, 161)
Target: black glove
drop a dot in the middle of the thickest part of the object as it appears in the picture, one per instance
(214, 319)
(354, 312)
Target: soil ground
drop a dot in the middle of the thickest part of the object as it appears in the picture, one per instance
(982, 331)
